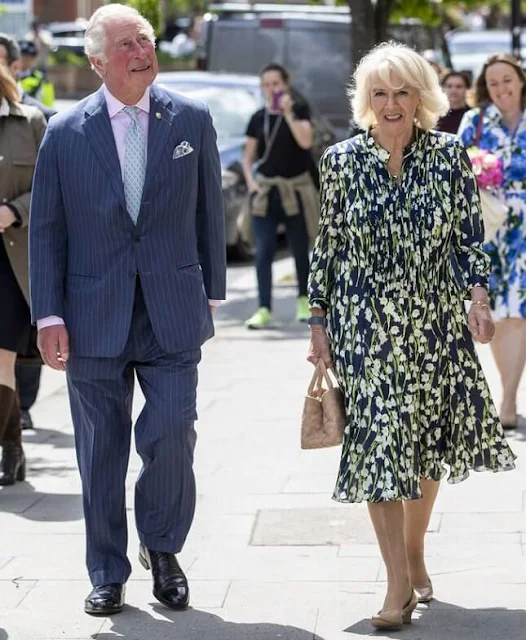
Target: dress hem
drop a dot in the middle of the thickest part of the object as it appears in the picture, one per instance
(344, 499)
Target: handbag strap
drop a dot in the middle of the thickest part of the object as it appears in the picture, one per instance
(478, 132)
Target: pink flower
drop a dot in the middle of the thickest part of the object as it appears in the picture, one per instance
(487, 168)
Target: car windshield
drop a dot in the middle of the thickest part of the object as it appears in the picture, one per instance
(230, 107)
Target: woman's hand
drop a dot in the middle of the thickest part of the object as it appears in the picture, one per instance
(319, 346)
(7, 218)
(286, 105)
(480, 323)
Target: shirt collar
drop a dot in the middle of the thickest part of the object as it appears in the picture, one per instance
(4, 108)
(383, 154)
(116, 106)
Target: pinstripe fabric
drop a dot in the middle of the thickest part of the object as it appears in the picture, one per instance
(101, 392)
(84, 249)
(86, 257)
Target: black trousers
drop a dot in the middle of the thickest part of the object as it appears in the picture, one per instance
(265, 229)
(28, 384)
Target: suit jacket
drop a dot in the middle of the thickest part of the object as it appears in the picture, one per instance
(85, 251)
(20, 136)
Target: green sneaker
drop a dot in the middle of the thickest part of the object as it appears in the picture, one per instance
(261, 319)
(302, 309)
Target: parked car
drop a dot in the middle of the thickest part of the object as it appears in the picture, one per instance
(469, 49)
(232, 99)
(68, 37)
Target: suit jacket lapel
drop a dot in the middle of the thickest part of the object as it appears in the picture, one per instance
(98, 131)
(162, 114)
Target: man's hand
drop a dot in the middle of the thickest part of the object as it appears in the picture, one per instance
(53, 343)
(213, 308)
(7, 218)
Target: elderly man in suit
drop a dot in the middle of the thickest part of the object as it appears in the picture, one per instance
(127, 259)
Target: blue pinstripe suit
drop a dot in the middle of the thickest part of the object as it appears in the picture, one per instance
(134, 299)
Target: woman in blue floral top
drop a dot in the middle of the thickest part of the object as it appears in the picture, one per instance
(501, 99)
(398, 252)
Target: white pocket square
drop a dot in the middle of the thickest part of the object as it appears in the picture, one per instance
(182, 149)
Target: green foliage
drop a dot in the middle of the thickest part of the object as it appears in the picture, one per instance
(150, 9)
(429, 12)
(167, 62)
(63, 56)
(178, 8)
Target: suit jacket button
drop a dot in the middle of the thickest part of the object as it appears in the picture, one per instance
(11, 243)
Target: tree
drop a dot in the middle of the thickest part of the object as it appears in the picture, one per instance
(371, 18)
(150, 9)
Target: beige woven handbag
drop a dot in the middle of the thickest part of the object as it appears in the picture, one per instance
(324, 418)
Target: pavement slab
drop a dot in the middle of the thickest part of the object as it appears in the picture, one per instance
(270, 555)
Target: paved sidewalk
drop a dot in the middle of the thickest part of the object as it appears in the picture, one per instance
(270, 555)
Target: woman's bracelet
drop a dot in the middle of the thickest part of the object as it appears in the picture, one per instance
(480, 303)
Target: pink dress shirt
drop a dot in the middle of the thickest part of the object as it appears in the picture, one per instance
(120, 122)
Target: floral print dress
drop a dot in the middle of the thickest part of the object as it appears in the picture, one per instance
(507, 282)
(392, 264)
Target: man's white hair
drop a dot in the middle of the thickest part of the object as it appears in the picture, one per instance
(95, 36)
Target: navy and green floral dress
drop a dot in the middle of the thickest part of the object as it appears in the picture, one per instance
(392, 264)
(507, 282)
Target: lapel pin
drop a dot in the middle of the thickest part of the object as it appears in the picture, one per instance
(158, 115)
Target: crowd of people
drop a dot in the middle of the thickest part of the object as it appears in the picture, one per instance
(396, 244)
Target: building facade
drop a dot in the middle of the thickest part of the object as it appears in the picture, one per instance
(64, 10)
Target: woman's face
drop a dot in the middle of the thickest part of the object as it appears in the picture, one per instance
(394, 109)
(272, 82)
(504, 86)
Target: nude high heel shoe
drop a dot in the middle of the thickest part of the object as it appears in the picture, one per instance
(425, 594)
(394, 619)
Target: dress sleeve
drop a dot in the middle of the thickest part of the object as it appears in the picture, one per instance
(468, 232)
(468, 127)
(321, 276)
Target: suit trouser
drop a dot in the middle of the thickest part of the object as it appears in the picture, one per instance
(101, 392)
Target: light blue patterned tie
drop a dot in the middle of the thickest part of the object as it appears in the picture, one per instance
(134, 163)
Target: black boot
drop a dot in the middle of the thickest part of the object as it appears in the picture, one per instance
(13, 464)
(13, 458)
(7, 397)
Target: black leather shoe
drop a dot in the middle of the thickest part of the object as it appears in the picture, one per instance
(170, 585)
(13, 465)
(26, 421)
(105, 599)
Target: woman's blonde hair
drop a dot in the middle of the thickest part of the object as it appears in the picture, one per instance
(8, 86)
(415, 72)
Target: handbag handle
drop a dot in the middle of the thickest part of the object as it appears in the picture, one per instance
(320, 374)
(478, 132)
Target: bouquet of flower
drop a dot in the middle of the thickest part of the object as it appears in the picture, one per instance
(489, 173)
(487, 168)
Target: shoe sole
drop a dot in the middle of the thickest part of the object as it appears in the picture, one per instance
(102, 612)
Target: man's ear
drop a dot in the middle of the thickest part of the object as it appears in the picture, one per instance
(97, 64)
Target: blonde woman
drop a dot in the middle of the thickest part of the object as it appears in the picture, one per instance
(398, 252)
(21, 131)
